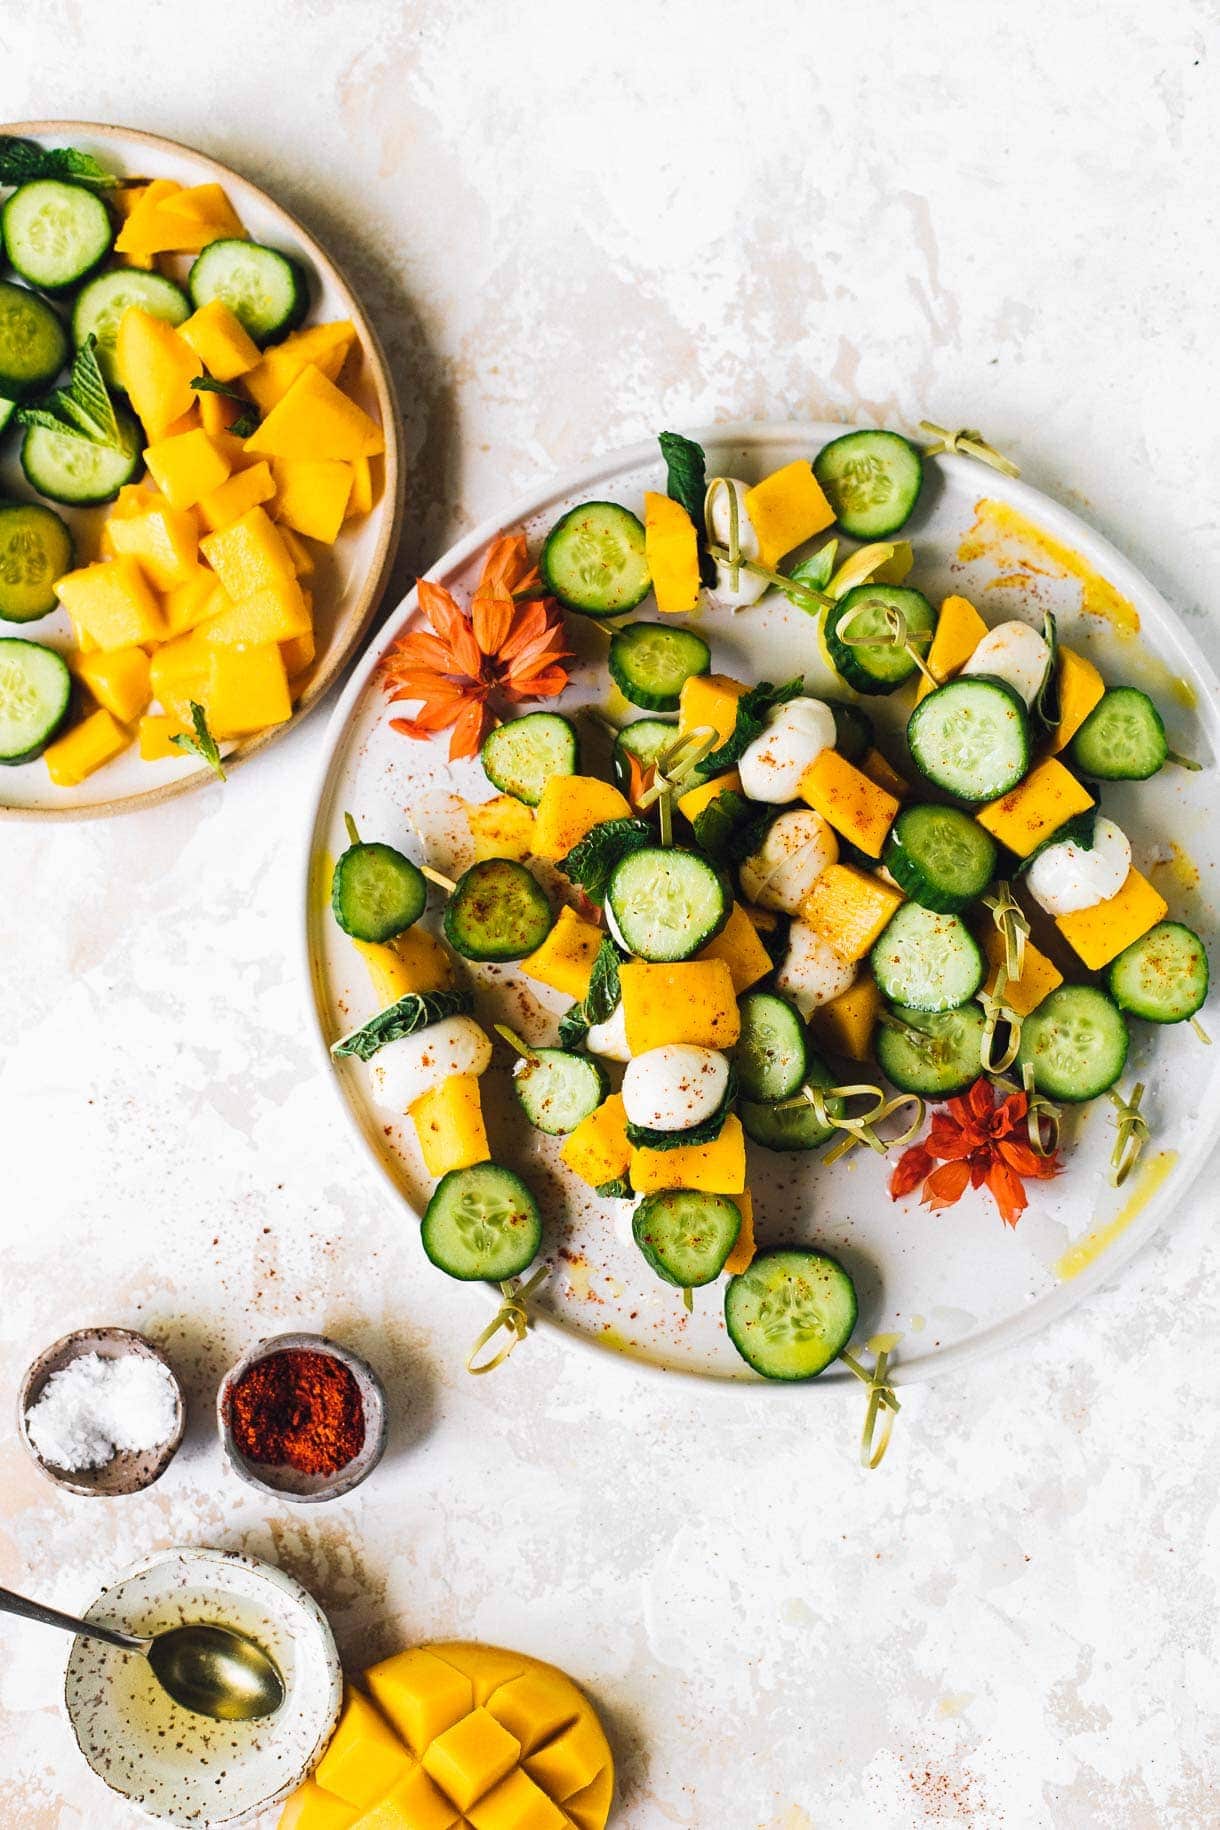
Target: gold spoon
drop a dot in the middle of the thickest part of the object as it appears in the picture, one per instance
(210, 1670)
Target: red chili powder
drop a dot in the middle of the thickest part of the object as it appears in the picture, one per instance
(300, 1410)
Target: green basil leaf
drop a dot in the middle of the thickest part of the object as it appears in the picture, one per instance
(591, 863)
(753, 711)
(686, 482)
(414, 1012)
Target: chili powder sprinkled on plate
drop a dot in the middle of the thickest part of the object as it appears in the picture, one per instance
(298, 1409)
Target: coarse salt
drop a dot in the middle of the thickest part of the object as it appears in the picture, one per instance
(93, 1408)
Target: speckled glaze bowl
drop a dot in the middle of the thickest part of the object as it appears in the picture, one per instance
(125, 1472)
(182, 1768)
(288, 1483)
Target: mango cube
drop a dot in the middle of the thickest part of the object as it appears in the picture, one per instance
(742, 1255)
(324, 346)
(692, 1001)
(695, 800)
(1036, 807)
(186, 467)
(156, 367)
(590, 1807)
(199, 597)
(959, 630)
(177, 221)
(849, 908)
(164, 542)
(119, 680)
(414, 961)
(248, 555)
(532, 1707)
(298, 652)
(709, 700)
(310, 1808)
(738, 945)
(502, 827)
(845, 1024)
(300, 554)
(180, 672)
(364, 489)
(155, 733)
(1080, 689)
(564, 961)
(365, 1757)
(421, 1694)
(449, 1125)
(233, 498)
(413, 1803)
(671, 547)
(786, 509)
(94, 741)
(847, 800)
(112, 604)
(247, 690)
(1100, 934)
(880, 770)
(221, 341)
(571, 806)
(598, 1151)
(517, 1803)
(573, 1759)
(718, 1168)
(311, 495)
(468, 1759)
(315, 420)
(1039, 975)
(278, 613)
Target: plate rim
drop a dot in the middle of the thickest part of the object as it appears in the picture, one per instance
(393, 497)
(1055, 517)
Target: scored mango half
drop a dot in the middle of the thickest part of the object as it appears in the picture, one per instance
(460, 1737)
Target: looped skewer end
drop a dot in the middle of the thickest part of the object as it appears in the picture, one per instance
(859, 1127)
(676, 763)
(1133, 1133)
(1013, 923)
(969, 442)
(512, 1316)
(882, 1404)
(997, 1012)
(897, 634)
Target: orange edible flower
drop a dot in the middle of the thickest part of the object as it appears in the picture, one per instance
(504, 650)
(974, 1143)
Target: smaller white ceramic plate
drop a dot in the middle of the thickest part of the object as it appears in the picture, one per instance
(182, 1768)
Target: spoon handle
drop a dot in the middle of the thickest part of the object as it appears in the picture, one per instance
(51, 1617)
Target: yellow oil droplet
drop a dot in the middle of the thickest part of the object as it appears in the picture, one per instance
(618, 706)
(1086, 1251)
(954, 1704)
(1179, 868)
(1017, 546)
(1183, 692)
(918, 1323)
(884, 1343)
(580, 1281)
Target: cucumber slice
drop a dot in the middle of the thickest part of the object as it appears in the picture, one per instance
(666, 904)
(7, 409)
(376, 893)
(643, 738)
(594, 560)
(558, 1089)
(1076, 1042)
(853, 729)
(266, 291)
(1163, 976)
(791, 1313)
(877, 669)
(941, 1055)
(1122, 739)
(771, 1053)
(35, 550)
(926, 961)
(686, 1235)
(650, 663)
(791, 1127)
(56, 233)
(940, 856)
(520, 756)
(482, 1224)
(33, 342)
(80, 474)
(497, 912)
(100, 305)
(872, 480)
(971, 738)
(35, 692)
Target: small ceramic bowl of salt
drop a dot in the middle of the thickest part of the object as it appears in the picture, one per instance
(101, 1412)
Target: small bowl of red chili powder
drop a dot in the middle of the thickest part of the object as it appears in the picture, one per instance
(302, 1417)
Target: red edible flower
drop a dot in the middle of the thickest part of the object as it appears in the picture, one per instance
(503, 649)
(971, 1142)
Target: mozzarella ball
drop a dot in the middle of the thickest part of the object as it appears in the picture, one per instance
(812, 972)
(1015, 653)
(610, 1038)
(774, 763)
(780, 874)
(749, 588)
(674, 1087)
(404, 1071)
(1068, 877)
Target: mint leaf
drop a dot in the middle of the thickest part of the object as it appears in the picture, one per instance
(686, 482)
(1046, 699)
(642, 1137)
(414, 1012)
(21, 161)
(592, 861)
(604, 993)
(83, 409)
(618, 1190)
(247, 421)
(714, 827)
(573, 1027)
(816, 572)
(753, 713)
(202, 744)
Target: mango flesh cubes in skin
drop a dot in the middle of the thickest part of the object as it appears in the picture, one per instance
(460, 1737)
(1037, 807)
(693, 1001)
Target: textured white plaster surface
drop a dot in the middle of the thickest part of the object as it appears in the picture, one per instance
(574, 224)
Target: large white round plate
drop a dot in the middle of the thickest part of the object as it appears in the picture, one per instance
(350, 576)
(954, 1285)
